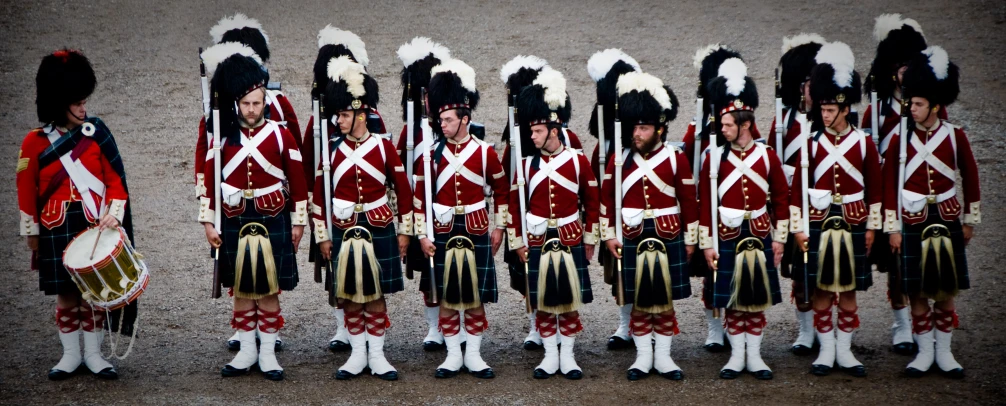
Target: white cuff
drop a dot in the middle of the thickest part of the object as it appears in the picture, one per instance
(117, 208)
(795, 220)
(28, 224)
(705, 239)
(405, 226)
(691, 233)
(419, 225)
(320, 231)
(591, 237)
(206, 214)
(781, 232)
(513, 240)
(974, 214)
(875, 221)
(891, 223)
(300, 212)
(502, 214)
(200, 185)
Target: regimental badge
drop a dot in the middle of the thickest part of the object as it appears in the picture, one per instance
(87, 129)
(466, 100)
(356, 104)
(738, 104)
(553, 116)
(663, 118)
(840, 98)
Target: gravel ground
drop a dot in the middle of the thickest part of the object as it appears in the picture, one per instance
(144, 54)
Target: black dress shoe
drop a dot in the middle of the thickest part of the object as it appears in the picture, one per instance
(389, 376)
(234, 345)
(229, 371)
(914, 373)
(763, 375)
(905, 348)
(278, 347)
(715, 347)
(484, 374)
(541, 374)
(276, 375)
(675, 375)
(445, 373)
(820, 370)
(574, 375)
(343, 375)
(729, 374)
(801, 350)
(956, 373)
(635, 374)
(338, 346)
(618, 343)
(433, 346)
(532, 346)
(858, 371)
(58, 375)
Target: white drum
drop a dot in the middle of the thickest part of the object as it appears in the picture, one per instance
(109, 273)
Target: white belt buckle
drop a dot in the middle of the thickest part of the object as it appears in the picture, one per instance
(459, 209)
(358, 208)
(648, 213)
(553, 223)
(931, 199)
(836, 198)
(249, 193)
(747, 215)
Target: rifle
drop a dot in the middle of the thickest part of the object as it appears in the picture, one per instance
(215, 294)
(714, 169)
(903, 150)
(326, 165)
(602, 148)
(875, 114)
(805, 208)
(516, 156)
(617, 155)
(410, 131)
(428, 190)
(205, 84)
(699, 121)
(778, 119)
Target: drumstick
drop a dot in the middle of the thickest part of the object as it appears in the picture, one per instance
(100, 229)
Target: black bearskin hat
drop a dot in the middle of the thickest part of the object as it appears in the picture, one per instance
(899, 41)
(834, 80)
(799, 55)
(519, 72)
(64, 77)
(931, 75)
(349, 87)
(545, 101)
(418, 57)
(644, 99)
(708, 60)
(605, 67)
(732, 90)
(452, 86)
(240, 28)
(333, 43)
(237, 71)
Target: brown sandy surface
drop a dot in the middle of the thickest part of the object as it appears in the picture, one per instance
(144, 54)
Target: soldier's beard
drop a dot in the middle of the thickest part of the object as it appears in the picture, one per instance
(247, 123)
(647, 146)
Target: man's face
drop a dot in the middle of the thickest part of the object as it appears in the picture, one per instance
(539, 134)
(450, 123)
(644, 138)
(252, 106)
(833, 115)
(920, 109)
(807, 101)
(901, 73)
(729, 127)
(345, 119)
(76, 113)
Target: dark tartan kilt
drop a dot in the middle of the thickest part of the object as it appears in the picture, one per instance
(720, 293)
(911, 252)
(416, 262)
(514, 267)
(579, 256)
(880, 253)
(790, 256)
(864, 275)
(486, 265)
(385, 242)
(53, 278)
(681, 287)
(280, 239)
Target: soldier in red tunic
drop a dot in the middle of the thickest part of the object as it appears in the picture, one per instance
(69, 178)
(461, 170)
(355, 230)
(558, 180)
(842, 198)
(659, 218)
(418, 58)
(930, 237)
(899, 40)
(750, 195)
(605, 67)
(798, 53)
(263, 198)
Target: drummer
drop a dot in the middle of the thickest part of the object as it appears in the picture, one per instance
(69, 178)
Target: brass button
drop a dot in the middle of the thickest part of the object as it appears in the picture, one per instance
(550, 187)
(745, 188)
(746, 207)
(249, 164)
(930, 171)
(838, 185)
(646, 196)
(744, 180)
(552, 205)
(249, 173)
(552, 195)
(836, 166)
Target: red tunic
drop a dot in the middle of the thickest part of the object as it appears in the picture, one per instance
(751, 187)
(689, 140)
(33, 181)
(465, 171)
(572, 141)
(843, 170)
(890, 118)
(657, 185)
(307, 148)
(267, 162)
(930, 178)
(798, 127)
(556, 189)
(361, 171)
(280, 111)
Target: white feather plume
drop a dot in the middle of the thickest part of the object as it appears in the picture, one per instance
(735, 71)
(419, 48)
(644, 82)
(702, 53)
(344, 69)
(521, 61)
(555, 87)
(236, 21)
(890, 22)
(333, 36)
(789, 43)
(840, 57)
(915, 25)
(601, 62)
(213, 55)
(459, 68)
(939, 61)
